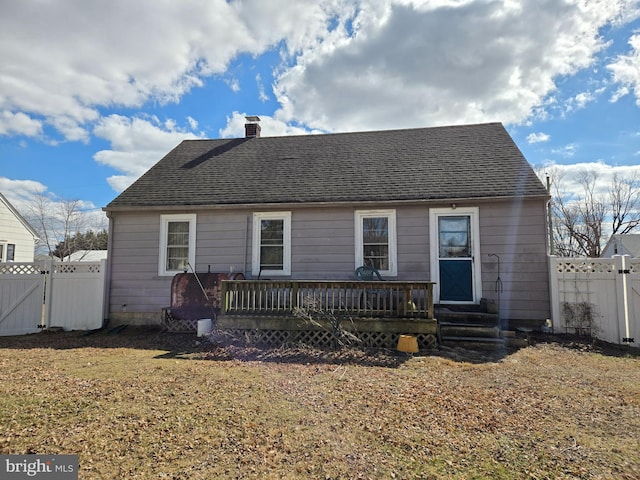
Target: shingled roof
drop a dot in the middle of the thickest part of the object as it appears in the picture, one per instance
(456, 162)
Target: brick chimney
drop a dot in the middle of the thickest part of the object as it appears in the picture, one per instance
(252, 127)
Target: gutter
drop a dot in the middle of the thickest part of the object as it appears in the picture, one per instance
(346, 203)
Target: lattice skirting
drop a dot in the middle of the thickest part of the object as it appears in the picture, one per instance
(323, 338)
(175, 325)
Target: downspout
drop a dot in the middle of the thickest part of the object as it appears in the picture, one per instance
(550, 219)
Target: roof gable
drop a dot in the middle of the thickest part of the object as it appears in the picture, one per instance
(19, 217)
(470, 161)
(623, 244)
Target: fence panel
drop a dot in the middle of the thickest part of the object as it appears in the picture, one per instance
(70, 295)
(76, 295)
(595, 296)
(21, 298)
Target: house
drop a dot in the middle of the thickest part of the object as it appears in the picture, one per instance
(86, 256)
(627, 244)
(456, 205)
(17, 237)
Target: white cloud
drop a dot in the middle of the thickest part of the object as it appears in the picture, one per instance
(625, 71)
(423, 63)
(136, 144)
(570, 175)
(19, 124)
(261, 93)
(350, 64)
(581, 100)
(193, 123)
(567, 151)
(70, 128)
(64, 60)
(538, 137)
(20, 192)
(271, 127)
(233, 84)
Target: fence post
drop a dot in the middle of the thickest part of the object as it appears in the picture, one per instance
(48, 281)
(622, 296)
(554, 293)
(105, 290)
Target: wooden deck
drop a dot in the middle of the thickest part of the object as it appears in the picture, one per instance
(276, 312)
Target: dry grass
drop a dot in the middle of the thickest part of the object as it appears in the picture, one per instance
(156, 406)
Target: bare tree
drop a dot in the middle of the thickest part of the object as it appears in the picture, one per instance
(580, 217)
(54, 220)
(625, 203)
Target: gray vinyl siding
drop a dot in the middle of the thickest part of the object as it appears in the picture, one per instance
(517, 233)
(134, 282)
(322, 244)
(322, 247)
(413, 243)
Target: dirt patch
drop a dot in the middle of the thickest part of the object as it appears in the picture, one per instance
(146, 404)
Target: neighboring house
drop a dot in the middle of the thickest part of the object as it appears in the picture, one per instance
(17, 237)
(457, 205)
(86, 256)
(627, 244)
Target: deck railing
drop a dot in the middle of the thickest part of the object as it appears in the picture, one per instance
(355, 298)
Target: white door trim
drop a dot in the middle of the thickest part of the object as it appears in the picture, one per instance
(474, 214)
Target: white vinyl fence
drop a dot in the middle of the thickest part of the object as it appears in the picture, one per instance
(597, 296)
(47, 294)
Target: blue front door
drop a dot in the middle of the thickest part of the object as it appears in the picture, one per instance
(455, 258)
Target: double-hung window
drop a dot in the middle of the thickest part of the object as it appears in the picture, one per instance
(375, 234)
(271, 243)
(177, 243)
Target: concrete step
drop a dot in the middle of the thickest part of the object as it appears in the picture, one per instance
(497, 340)
(467, 317)
(449, 329)
(473, 343)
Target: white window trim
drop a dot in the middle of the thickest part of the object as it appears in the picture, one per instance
(360, 215)
(4, 251)
(255, 257)
(164, 224)
(474, 213)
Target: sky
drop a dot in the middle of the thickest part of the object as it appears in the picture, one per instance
(94, 93)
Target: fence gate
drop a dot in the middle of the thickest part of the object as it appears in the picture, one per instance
(21, 298)
(597, 296)
(46, 294)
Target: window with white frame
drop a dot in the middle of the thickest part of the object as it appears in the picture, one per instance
(375, 234)
(271, 243)
(177, 243)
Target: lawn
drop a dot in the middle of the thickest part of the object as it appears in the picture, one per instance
(150, 405)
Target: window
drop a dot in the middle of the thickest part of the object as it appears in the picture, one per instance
(177, 243)
(454, 236)
(375, 234)
(7, 252)
(271, 243)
